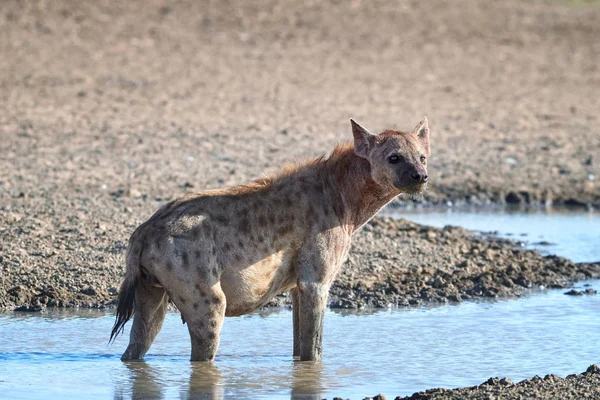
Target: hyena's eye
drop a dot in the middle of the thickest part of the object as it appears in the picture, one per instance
(394, 159)
(423, 159)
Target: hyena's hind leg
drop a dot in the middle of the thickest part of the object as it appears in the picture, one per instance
(204, 312)
(151, 304)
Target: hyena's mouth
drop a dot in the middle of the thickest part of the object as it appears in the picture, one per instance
(419, 188)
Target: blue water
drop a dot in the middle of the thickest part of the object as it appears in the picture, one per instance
(571, 234)
(64, 354)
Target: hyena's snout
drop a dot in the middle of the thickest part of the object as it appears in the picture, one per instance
(419, 176)
(413, 178)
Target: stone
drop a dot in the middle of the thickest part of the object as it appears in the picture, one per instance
(29, 308)
(593, 369)
(574, 292)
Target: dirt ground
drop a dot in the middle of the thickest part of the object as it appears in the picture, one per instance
(109, 109)
(148, 98)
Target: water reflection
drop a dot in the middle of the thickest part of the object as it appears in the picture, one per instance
(144, 381)
(204, 382)
(207, 382)
(307, 381)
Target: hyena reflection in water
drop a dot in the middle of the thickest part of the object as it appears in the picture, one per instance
(227, 252)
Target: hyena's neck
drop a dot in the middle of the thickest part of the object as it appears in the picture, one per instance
(359, 196)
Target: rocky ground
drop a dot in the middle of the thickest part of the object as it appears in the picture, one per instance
(574, 387)
(400, 263)
(392, 263)
(111, 108)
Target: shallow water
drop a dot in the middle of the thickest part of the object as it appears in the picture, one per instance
(395, 352)
(59, 354)
(571, 234)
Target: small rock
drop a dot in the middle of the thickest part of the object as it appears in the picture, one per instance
(512, 198)
(90, 291)
(575, 203)
(455, 298)
(574, 292)
(438, 282)
(187, 185)
(492, 381)
(522, 281)
(29, 308)
(593, 369)
(117, 193)
(551, 377)
(506, 382)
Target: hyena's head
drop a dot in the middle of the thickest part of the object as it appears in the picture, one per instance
(398, 159)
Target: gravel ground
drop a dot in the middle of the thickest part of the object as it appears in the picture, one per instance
(574, 387)
(392, 262)
(110, 108)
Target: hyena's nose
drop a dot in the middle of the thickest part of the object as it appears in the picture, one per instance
(416, 176)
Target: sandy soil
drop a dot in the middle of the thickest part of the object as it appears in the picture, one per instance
(111, 108)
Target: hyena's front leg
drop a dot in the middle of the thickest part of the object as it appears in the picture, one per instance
(296, 317)
(318, 263)
(313, 303)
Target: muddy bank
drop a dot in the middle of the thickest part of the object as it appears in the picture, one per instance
(574, 387)
(392, 262)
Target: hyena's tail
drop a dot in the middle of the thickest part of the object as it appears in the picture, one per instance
(126, 301)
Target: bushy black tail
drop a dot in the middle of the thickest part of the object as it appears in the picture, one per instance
(126, 301)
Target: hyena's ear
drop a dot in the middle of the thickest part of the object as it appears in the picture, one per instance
(422, 132)
(363, 139)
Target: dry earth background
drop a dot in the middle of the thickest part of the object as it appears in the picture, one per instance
(108, 109)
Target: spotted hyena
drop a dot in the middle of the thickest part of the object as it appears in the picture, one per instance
(227, 252)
